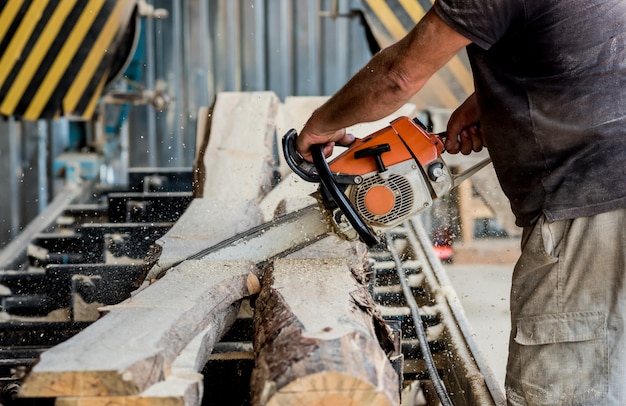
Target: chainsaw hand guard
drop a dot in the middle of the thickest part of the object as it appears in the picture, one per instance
(302, 168)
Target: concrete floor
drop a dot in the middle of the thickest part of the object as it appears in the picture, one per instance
(481, 275)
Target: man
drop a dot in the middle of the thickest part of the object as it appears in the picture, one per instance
(550, 80)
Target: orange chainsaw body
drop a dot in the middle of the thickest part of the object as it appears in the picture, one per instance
(407, 140)
(380, 180)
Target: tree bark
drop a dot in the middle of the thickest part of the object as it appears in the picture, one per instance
(319, 338)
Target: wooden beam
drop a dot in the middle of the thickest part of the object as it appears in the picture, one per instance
(317, 333)
(136, 344)
(185, 384)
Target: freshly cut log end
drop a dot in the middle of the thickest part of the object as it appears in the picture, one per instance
(348, 374)
(314, 343)
(86, 383)
(329, 389)
(173, 391)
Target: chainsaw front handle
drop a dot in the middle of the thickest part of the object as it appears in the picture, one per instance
(304, 169)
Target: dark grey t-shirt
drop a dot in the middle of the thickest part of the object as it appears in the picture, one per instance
(550, 78)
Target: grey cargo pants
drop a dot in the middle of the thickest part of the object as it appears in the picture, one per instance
(568, 314)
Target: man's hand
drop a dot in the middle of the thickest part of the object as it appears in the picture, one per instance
(464, 134)
(308, 137)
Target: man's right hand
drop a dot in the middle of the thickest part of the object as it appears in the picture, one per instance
(308, 137)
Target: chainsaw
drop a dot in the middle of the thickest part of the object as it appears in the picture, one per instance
(378, 182)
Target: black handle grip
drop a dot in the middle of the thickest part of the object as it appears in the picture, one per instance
(375, 152)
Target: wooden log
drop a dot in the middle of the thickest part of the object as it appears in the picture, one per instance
(318, 336)
(137, 343)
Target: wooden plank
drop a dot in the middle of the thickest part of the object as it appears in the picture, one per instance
(233, 172)
(316, 330)
(135, 344)
(205, 223)
(240, 148)
(185, 384)
(291, 194)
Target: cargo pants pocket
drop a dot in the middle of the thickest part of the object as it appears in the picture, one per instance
(563, 358)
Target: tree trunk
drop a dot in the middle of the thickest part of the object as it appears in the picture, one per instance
(319, 338)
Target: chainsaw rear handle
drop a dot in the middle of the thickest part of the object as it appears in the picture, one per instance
(328, 182)
(304, 169)
(458, 178)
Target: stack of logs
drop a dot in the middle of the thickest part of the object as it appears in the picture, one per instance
(318, 338)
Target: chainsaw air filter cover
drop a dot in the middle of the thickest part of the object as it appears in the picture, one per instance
(388, 198)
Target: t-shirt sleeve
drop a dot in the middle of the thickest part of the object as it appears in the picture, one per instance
(483, 22)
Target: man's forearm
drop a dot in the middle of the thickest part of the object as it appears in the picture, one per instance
(392, 76)
(373, 93)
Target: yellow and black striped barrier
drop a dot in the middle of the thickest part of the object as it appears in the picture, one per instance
(57, 55)
(390, 20)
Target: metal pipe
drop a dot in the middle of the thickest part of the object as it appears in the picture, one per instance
(15, 168)
(150, 82)
(42, 165)
(178, 118)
